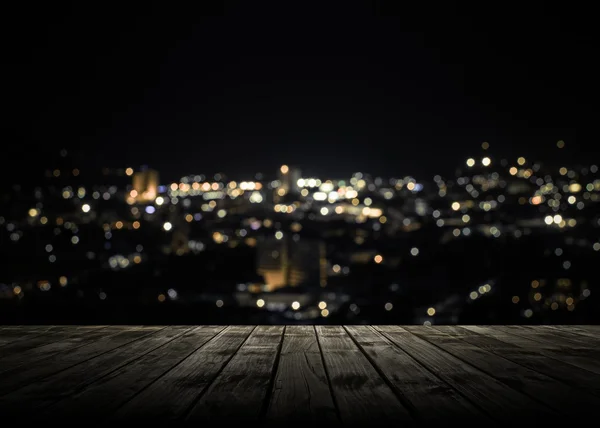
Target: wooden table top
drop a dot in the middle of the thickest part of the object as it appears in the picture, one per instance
(330, 375)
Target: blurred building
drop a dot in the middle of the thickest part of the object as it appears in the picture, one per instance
(288, 178)
(145, 185)
(285, 262)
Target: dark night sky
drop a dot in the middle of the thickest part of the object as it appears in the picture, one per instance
(334, 91)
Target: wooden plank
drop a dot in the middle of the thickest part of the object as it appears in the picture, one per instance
(175, 392)
(549, 336)
(361, 394)
(577, 352)
(63, 384)
(67, 340)
(545, 359)
(16, 334)
(20, 348)
(22, 375)
(575, 331)
(101, 398)
(562, 336)
(432, 399)
(242, 390)
(301, 392)
(464, 345)
(499, 401)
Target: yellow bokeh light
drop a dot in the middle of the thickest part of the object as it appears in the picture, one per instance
(521, 161)
(378, 259)
(129, 171)
(284, 169)
(470, 162)
(136, 224)
(486, 161)
(513, 170)
(485, 145)
(431, 312)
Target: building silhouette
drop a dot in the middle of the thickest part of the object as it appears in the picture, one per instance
(145, 185)
(287, 263)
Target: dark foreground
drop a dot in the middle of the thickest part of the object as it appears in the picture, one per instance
(298, 375)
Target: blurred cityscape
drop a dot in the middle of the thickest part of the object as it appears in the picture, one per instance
(505, 241)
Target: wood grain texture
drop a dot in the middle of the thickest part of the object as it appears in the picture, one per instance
(551, 336)
(498, 400)
(579, 330)
(64, 341)
(464, 345)
(25, 349)
(175, 392)
(65, 384)
(548, 359)
(12, 379)
(274, 375)
(362, 396)
(414, 383)
(104, 396)
(301, 391)
(580, 351)
(13, 334)
(242, 390)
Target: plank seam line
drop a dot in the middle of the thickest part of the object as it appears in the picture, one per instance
(545, 354)
(333, 398)
(169, 369)
(549, 356)
(539, 340)
(58, 352)
(578, 332)
(558, 380)
(89, 383)
(70, 333)
(399, 395)
(268, 396)
(186, 413)
(29, 382)
(490, 374)
(30, 337)
(393, 343)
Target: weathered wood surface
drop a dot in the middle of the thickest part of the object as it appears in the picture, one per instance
(302, 375)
